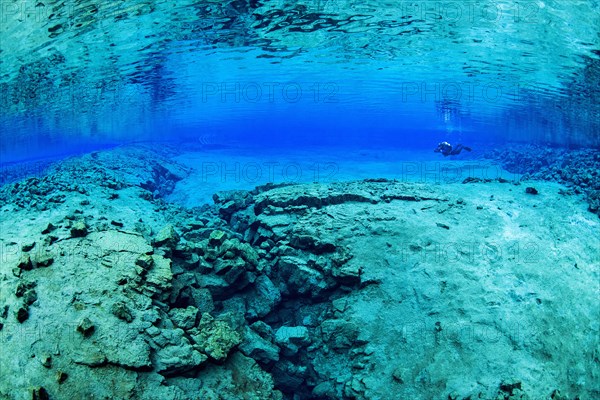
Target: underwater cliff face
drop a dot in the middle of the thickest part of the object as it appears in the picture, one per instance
(111, 72)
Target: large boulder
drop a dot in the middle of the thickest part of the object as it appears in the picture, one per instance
(339, 334)
(258, 348)
(299, 278)
(263, 298)
(292, 338)
(174, 353)
(159, 278)
(184, 318)
(215, 338)
(167, 237)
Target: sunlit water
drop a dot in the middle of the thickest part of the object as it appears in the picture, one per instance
(78, 75)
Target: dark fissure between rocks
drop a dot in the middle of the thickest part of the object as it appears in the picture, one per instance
(297, 305)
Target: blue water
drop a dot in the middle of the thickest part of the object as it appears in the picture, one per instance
(78, 75)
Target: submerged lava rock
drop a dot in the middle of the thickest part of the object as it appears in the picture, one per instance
(86, 327)
(531, 190)
(510, 385)
(61, 377)
(216, 338)
(259, 348)
(300, 279)
(578, 169)
(22, 314)
(25, 262)
(160, 277)
(292, 338)
(39, 393)
(174, 353)
(79, 229)
(49, 228)
(28, 246)
(339, 334)
(43, 259)
(40, 259)
(227, 265)
(167, 237)
(594, 202)
(122, 311)
(312, 244)
(217, 238)
(289, 376)
(263, 298)
(231, 201)
(184, 318)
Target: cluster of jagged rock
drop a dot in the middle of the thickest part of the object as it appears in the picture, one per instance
(39, 185)
(200, 292)
(578, 169)
(13, 172)
(170, 289)
(261, 277)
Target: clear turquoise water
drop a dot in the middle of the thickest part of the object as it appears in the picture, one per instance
(82, 75)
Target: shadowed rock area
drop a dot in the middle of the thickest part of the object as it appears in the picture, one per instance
(373, 289)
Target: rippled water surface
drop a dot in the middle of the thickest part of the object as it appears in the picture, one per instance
(85, 73)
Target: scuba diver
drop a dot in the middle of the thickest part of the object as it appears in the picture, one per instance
(447, 150)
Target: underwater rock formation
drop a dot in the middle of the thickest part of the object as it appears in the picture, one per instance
(578, 169)
(340, 291)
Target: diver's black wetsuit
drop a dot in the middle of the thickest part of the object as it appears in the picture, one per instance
(447, 150)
